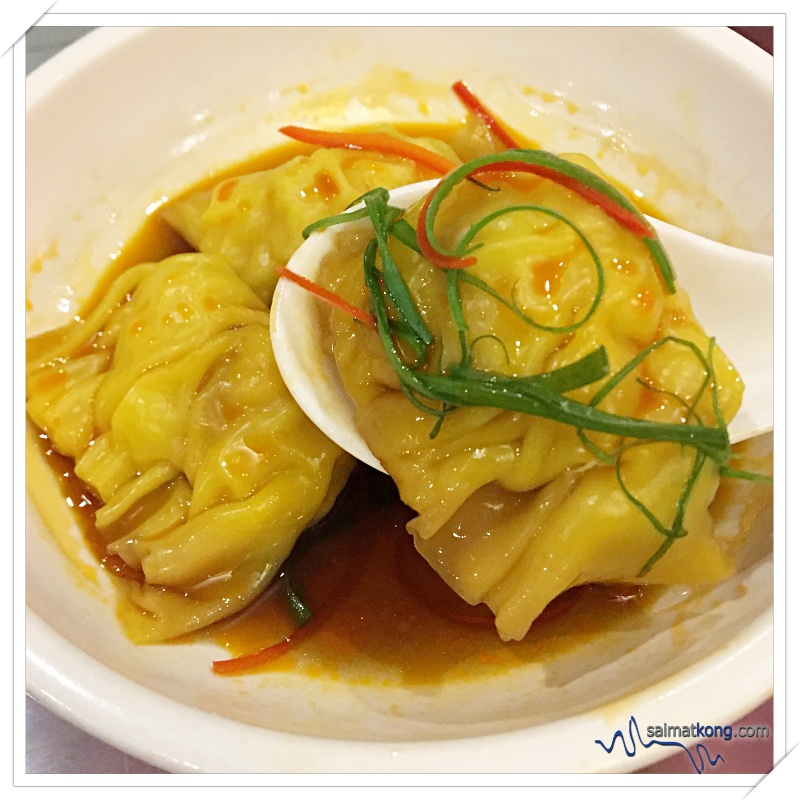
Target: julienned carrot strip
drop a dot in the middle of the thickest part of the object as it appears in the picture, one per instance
(231, 666)
(378, 142)
(473, 104)
(617, 212)
(327, 296)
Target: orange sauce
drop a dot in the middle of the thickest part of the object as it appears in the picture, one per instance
(380, 611)
(547, 277)
(79, 498)
(324, 186)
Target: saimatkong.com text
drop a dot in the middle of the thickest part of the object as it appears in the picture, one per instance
(698, 731)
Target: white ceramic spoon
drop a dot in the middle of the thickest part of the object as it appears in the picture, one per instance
(730, 290)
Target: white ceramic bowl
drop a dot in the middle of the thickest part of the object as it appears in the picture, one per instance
(127, 117)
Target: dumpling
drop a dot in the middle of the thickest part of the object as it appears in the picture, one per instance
(256, 221)
(513, 508)
(169, 400)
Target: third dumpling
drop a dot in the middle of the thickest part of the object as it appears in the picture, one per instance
(169, 400)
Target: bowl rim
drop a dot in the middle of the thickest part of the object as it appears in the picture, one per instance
(52, 662)
(82, 52)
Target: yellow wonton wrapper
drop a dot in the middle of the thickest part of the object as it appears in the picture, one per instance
(172, 406)
(513, 509)
(256, 221)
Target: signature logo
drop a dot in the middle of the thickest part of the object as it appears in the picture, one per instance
(698, 755)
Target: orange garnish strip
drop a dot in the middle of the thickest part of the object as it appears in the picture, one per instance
(232, 666)
(618, 213)
(327, 296)
(383, 143)
(476, 106)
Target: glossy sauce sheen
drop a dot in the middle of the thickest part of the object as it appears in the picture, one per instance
(379, 611)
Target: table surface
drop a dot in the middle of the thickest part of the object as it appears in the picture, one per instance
(55, 746)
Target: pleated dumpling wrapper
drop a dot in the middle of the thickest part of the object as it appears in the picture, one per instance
(256, 221)
(514, 508)
(169, 400)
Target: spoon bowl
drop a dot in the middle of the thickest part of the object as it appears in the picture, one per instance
(730, 291)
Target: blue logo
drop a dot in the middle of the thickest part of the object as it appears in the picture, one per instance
(698, 757)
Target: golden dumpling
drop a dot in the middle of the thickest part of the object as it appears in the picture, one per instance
(515, 507)
(169, 400)
(256, 221)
